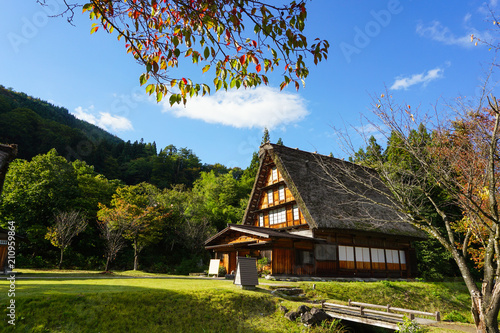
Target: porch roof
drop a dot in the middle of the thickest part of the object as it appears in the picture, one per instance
(264, 233)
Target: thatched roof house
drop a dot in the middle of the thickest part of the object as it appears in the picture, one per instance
(7, 154)
(317, 215)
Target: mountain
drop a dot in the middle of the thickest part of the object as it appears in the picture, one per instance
(37, 126)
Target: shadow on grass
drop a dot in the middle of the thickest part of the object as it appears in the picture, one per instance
(141, 309)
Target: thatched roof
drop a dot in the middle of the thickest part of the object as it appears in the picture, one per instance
(7, 154)
(335, 194)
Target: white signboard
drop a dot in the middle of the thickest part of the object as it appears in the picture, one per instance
(214, 267)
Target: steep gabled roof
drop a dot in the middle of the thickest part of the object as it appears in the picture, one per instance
(331, 195)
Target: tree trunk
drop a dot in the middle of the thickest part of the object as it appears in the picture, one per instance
(136, 255)
(107, 264)
(61, 259)
(486, 320)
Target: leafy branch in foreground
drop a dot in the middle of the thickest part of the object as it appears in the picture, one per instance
(215, 33)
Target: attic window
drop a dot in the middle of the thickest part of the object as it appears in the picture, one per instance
(270, 197)
(261, 220)
(296, 212)
(277, 216)
(281, 192)
(274, 174)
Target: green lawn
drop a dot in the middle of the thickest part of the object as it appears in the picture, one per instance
(91, 302)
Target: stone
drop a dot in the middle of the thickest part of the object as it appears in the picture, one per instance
(288, 291)
(303, 309)
(283, 309)
(319, 314)
(308, 318)
(292, 315)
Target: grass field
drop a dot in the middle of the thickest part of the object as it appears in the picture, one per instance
(92, 302)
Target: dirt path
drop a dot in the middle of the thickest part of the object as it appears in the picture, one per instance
(456, 327)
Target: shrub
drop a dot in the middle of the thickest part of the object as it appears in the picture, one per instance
(408, 326)
(190, 266)
(455, 316)
(222, 271)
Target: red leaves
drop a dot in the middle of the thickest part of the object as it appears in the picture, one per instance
(258, 68)
(184, 80)
(242, 60)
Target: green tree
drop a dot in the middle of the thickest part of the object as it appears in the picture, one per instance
(372, 154)
(265, 137)
(239, 41)
(139, 215)
(221, 198)
(33, 193)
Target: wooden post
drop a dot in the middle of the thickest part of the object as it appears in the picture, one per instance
(361, 312)
(349, 302)
(388, 308)
(412, 316)
(438, 316)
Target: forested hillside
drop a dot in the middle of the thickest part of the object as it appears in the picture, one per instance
(37, 126)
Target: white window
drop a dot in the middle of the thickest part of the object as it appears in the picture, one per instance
(378, 255)
(271, 217)
(281, 192)
(270, 199)
(392, 256)
(362, 254)
(282, 215)
(402, 257)
(296, 212)
(346, 253)
(261, 219)
(3, 242)
(274, 174)
(277, 216)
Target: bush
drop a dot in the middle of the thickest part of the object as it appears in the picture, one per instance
(222, 271)
(432, 275)
(408, 326)
(190, 266)
(455, 316)
(159, 267)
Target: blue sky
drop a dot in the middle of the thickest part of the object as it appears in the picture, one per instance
(419, 50)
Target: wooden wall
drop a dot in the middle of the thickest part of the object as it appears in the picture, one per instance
(271, 201)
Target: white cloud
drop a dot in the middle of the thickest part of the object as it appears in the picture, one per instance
(422, 78)
(244, 108)
(467, 18)
(104, 120)
(436, 31)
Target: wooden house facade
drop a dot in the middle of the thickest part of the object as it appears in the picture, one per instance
(308, 222)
